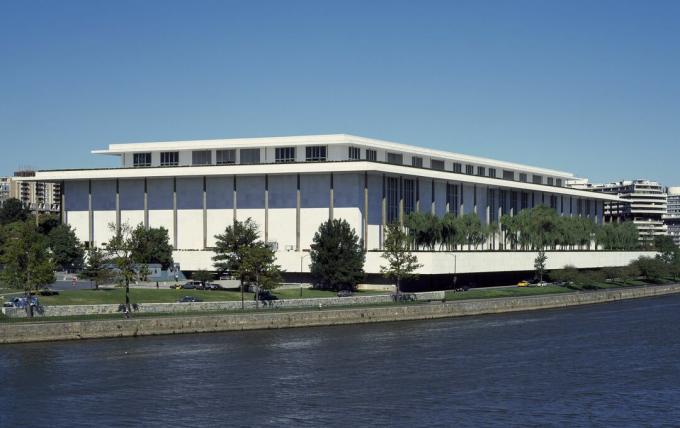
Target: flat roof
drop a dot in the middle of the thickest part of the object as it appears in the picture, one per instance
(327, 139)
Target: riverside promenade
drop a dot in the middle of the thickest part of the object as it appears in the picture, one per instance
(16, 332)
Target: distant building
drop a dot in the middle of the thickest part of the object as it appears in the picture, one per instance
(643, 202)
(672, 218)
(34, 195)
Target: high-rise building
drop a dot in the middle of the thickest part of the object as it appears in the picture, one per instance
(44, 197)
(641, 201)
(672, 218)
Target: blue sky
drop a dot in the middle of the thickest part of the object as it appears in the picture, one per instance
(588, 87)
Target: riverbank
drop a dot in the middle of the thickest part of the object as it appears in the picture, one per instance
(71, 330)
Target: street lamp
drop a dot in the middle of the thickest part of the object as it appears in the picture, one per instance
(302, 257)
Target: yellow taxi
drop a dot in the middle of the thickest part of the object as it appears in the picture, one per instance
(523, 284)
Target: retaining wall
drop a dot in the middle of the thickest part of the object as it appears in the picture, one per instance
(46, 331)
(79, 310)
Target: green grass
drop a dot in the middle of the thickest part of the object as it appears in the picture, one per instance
(506, 292)
(146, 295)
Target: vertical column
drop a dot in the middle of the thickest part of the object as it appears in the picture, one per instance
(401, 200)
(205, 213)
(366, 210)
(117, 204)
(90, 214)
(488, 207)
(62, 210)
(297, 215)
(462, 201)
(174, 211)
(433, 207)
(383, 214)
(474, 198)
(447, 206)
(146, 202)
(234, 196)
(266, 208)
(331, 197)
(417, 194)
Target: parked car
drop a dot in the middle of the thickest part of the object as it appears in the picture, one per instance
(345, 293)
(189, 299)
(226, 277)
(213, 286)
(190, 285)
(523, 283)
(48, 292)
(22, 302)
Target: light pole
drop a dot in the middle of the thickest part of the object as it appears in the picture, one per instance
(455, 268)
(302, 257)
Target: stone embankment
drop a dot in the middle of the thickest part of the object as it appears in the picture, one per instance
(157, 308)
(45, 331)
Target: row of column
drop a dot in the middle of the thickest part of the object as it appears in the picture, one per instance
(365, 225)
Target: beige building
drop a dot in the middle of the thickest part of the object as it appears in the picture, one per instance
(34, 195)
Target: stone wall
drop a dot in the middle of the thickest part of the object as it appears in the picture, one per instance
(78, 310)
(47, 331)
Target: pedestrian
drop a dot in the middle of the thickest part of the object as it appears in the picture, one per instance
(156, 284)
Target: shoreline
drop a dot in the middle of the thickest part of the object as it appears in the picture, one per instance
(38, 331)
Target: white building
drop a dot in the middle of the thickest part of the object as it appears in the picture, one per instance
(290, 185)
(672, 218)
(641, 201)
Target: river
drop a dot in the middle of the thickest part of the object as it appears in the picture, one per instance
(614, 364)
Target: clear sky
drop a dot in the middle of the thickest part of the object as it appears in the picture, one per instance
(590, 87)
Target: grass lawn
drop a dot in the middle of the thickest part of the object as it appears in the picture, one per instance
(505, 292)
(144, 295)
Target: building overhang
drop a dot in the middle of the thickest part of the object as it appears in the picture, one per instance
(309, 168)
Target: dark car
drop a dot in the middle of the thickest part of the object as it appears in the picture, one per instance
(345, 293)
(189, 299)
(48, 292)
(190, 285)
(212, 286)
(265, 295)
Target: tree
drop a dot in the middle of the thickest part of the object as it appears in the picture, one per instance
(401, 263)
(48, 223)
(151, 245)
(337, 257)
(67, 251)
(25, 257)
(202, 275)
(568, 274)
(259, 266)
(12, 211)
(651, 268)
(97, 267)
(539, 264)
(667, 249)
(120, 248)
(233, 247)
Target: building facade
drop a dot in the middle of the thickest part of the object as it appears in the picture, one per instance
(290, 185)
(672, 218)
(44, 197)
(641, 201)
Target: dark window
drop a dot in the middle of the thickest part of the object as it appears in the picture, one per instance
(513, 202)
(493, 215)
(201, 157)
(469, 169)
(225, 157)
(417, 161)
(457, 168)
(249, 156)
(315, 154)
(395, 158)
(354, 153)
(452, 198)
(169, 158)
(559, 182)
(409, 196)
(371, 155)
(508, 175)
(525, 200)
(551, 181)
(284, 154)
(537, 179)
(503, 201)
(481, 171)
(553, 202)
(141, 159)
(437, 164)
(522, 177)
(492, 172)
(587, 207)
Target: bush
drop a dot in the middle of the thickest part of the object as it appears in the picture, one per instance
(652, 269)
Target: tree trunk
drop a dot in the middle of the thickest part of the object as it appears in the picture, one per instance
(127, 296)
(243, 304)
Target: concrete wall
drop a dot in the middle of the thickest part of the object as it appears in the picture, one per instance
(36, 331)
(155, 308)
